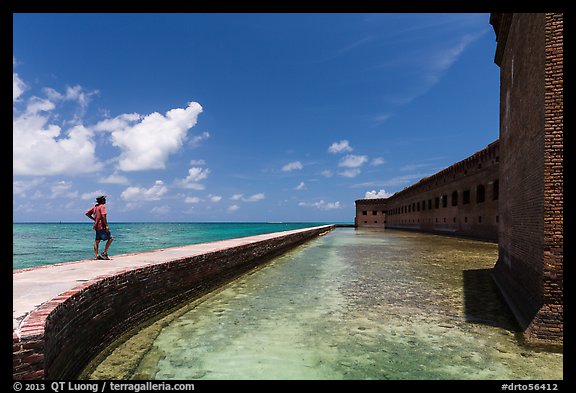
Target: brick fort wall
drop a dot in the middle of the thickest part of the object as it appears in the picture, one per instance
(460, 200)
(529, 270)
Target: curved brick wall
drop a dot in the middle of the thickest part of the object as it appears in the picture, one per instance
(58, 339)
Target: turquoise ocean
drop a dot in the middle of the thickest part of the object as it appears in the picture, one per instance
(36, 244)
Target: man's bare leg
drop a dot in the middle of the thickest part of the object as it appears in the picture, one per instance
(96, 243)
(108, 245)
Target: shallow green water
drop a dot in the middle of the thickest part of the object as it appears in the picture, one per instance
(354, 304)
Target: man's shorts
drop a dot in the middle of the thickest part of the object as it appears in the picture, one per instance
(103, 234)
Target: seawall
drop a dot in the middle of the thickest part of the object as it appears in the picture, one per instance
(65, 314)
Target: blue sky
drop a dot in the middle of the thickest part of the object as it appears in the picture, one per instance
(242, 117)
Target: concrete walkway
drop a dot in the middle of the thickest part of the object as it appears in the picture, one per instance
(35, 286)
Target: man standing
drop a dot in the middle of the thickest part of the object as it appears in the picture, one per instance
(97, 213)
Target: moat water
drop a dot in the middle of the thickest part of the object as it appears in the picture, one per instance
(353, 304)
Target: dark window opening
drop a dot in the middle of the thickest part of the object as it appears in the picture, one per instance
(480, 193)
(465, 197)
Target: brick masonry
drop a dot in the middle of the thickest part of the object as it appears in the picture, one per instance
(529, 270)
(59, 338)
(460, 200)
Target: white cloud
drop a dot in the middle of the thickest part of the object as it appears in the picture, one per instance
(21, 187)
(215, 198)
(197, 162)
(74, 93)
(148, 143)
(353, 172)
(92, 195)
(160, 210)
(301, 186)
(40, 148)
(114, 179)
(338, 147)
(443, 59)
(119, 122)
(292, 166)
(18, 86)
(190, 199)
(153, 193)
(327, 173)
(195, 141)
(380, 194)
(322, 205)
(353, 161)
(62, 188)
(377, 161)
(195, 174)
(381, 118)
(233, 208)
(37, 104)
(254, 198)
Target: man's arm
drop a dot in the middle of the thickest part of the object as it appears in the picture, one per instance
(105, 222)
(89, 215)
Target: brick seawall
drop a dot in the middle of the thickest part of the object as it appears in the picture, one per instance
(65, 314)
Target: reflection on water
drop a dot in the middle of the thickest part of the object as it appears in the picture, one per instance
(354, 304)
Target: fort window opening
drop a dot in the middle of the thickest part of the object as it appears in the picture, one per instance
(480, 193)
(495, 189)
(455, 198)
(465, 197)
(364, 212)
(444, 200)
(374, 212)
(429, 204)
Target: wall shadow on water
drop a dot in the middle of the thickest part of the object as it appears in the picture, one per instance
(483, 302)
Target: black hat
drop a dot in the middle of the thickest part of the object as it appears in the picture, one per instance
(101, 198)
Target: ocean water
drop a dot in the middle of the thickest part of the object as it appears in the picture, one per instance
(354, 304)
(36, 244)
